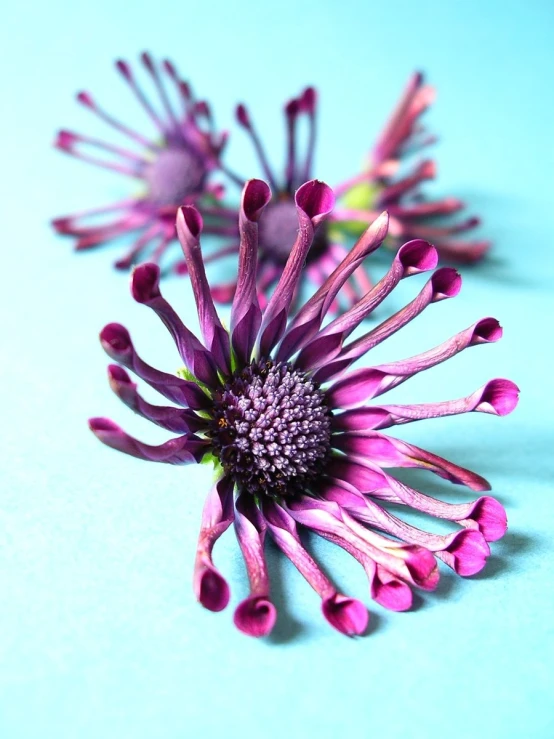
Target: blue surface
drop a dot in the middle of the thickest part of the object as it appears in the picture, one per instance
(100, 636)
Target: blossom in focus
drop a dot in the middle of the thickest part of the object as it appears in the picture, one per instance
(393, 181)
(173, 166)
(275, 404)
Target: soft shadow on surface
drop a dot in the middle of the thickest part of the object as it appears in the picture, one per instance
(286, 628)
(512, 545)
(376, 623)
(505, 234)
(496, 269)
(447, 584)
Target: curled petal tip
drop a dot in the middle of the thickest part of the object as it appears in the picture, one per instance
(115, 339)
(65, 140)
(382, 220)
(124, 68)
(242, 116)
(145, 282)
(499, 397)
(170, 68)
(487, 330)
(146, 59)
(428, 169)
(292, 108)
(347, 615)
(315, 198)
(255, 196)
(211, 589)
(184, 87)
(117, 375)
(308, 101)
(102, 426)
(85, 98)
(490, 517)
(392, 594)
(418, 256)
(446, 282)
(189, 221)
(61, 225)
(422, 566)
(467, 553)
(255, 616)
(202, 108)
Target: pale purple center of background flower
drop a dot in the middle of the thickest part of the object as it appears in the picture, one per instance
(271, 429)
(175, 173)
(278, 230)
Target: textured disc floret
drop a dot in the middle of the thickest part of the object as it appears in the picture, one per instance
(174, 175)
(271, 429)
(279, 230)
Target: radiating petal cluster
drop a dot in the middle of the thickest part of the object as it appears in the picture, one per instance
(174, 169)
(173, 166)
(393, 181)
(278, 224)
(296, 439)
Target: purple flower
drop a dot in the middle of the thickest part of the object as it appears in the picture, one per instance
(278, 224)
(173, 167)
(381, 186)
(275, 404)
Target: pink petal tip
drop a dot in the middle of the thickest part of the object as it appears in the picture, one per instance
(211, 589)
(255, 616)
(347, 615)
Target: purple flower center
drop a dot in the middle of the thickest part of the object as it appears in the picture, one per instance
(271, 429)
(278, 228)
(177, 172)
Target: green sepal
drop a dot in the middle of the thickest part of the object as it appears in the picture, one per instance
(186, 374)
(210, 458)
(359, 197)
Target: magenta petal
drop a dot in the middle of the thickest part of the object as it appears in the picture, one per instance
(467, 553)
(218, 513)
(242, 116)
(316, 199)
(422, 566)
(189, 226)
(185, 449)
(308, 100)
(446, 283)
(390, 592)
(412, 258)
(255, 197)
(210, 588)
(402, 125)
(489, 516)
(386, 451)
(347, 615)
(191, 221)
(255, 616)
(145, 283)
(417, 256)
(246, 315)
(499, 397)
(145, 289)
(178, 420)
(116, 342)
(363, 384)
(309, 318)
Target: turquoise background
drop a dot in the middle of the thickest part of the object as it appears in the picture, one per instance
(100, 635)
